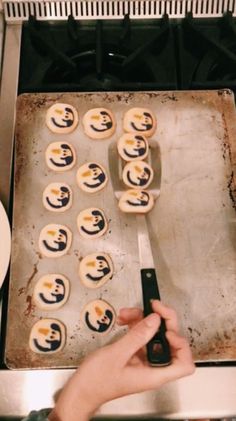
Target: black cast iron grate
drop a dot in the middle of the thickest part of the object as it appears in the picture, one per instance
(137, 55)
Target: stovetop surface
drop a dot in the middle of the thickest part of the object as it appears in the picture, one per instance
(130, 55)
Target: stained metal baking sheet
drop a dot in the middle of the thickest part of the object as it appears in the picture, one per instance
(192, 227)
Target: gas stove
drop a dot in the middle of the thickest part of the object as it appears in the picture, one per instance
(109, 46)
(128, 54)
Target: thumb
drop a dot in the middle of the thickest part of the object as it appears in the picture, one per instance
(138, 336)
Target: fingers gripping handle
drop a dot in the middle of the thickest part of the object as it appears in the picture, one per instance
(158, 350)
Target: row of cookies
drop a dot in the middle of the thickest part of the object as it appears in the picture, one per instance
(99, 123)
(137, 173)
(48, 335)
(55, 239)
(52, 290)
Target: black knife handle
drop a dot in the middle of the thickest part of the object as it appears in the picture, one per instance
(158, 350)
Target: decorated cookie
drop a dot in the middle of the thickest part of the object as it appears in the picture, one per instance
(132, 147)
(136, 201)
(47, 336)
(137, 174)
(91, 177)
(95, 270)
(62, 118)
(139, 120)
(60, 156)
(92, 223)
(99, 123)
(51, 291)
(98, 316)
(55, 240)
(57, 197)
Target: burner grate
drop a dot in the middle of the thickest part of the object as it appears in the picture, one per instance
(104, 56)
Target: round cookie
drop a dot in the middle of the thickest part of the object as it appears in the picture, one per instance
(92, 223)
(137, 174)
(98, 316)
(136, 201)
(60, 156)
(55, 240)
(95, 270)
(57, 197)
(47, 336)
(132, 147)
(99, 123)
(139, 120)
(91, 177)
(62, 118)
(51, 291)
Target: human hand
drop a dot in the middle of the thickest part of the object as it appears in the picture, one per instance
(121, 368)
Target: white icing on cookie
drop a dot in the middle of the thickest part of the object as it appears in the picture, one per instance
(139, 120)
(137, 175)
(51, 291)
(132, 147)
(91, 177)
(60, 156)
(136, 201)
(95, 270)
(55, 240)
(98, 316)
(92, 223)
(47, 336)
(57, 197)
(99, 123)
(62, 118)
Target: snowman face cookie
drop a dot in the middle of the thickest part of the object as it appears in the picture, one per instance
(132, 147)
(91, 177)
(57, 197)
(136, 201)
(98, 316)
(137, 174)
(55, 240)
(47, 336)
(62, 118)
(60, 156)
(99, 123)
(95, 270)
(92, 223)
(139, 120)
(51, 291)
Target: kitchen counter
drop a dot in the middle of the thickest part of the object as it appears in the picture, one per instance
(209, 393)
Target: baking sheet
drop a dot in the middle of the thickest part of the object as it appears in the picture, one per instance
(192, 225)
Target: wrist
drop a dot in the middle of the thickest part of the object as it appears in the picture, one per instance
(73, 404)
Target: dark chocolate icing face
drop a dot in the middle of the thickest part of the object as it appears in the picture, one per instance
(103, 268)
(142, 200)
(139, 148)
(102, 323)
(64, 121)
(145, 124)
(53, 339)
(66, 157)
(62, 200)
(98, 176)
(98, 223)
(57, 293)
(142, 180)
(104, 123)
(60, 243)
